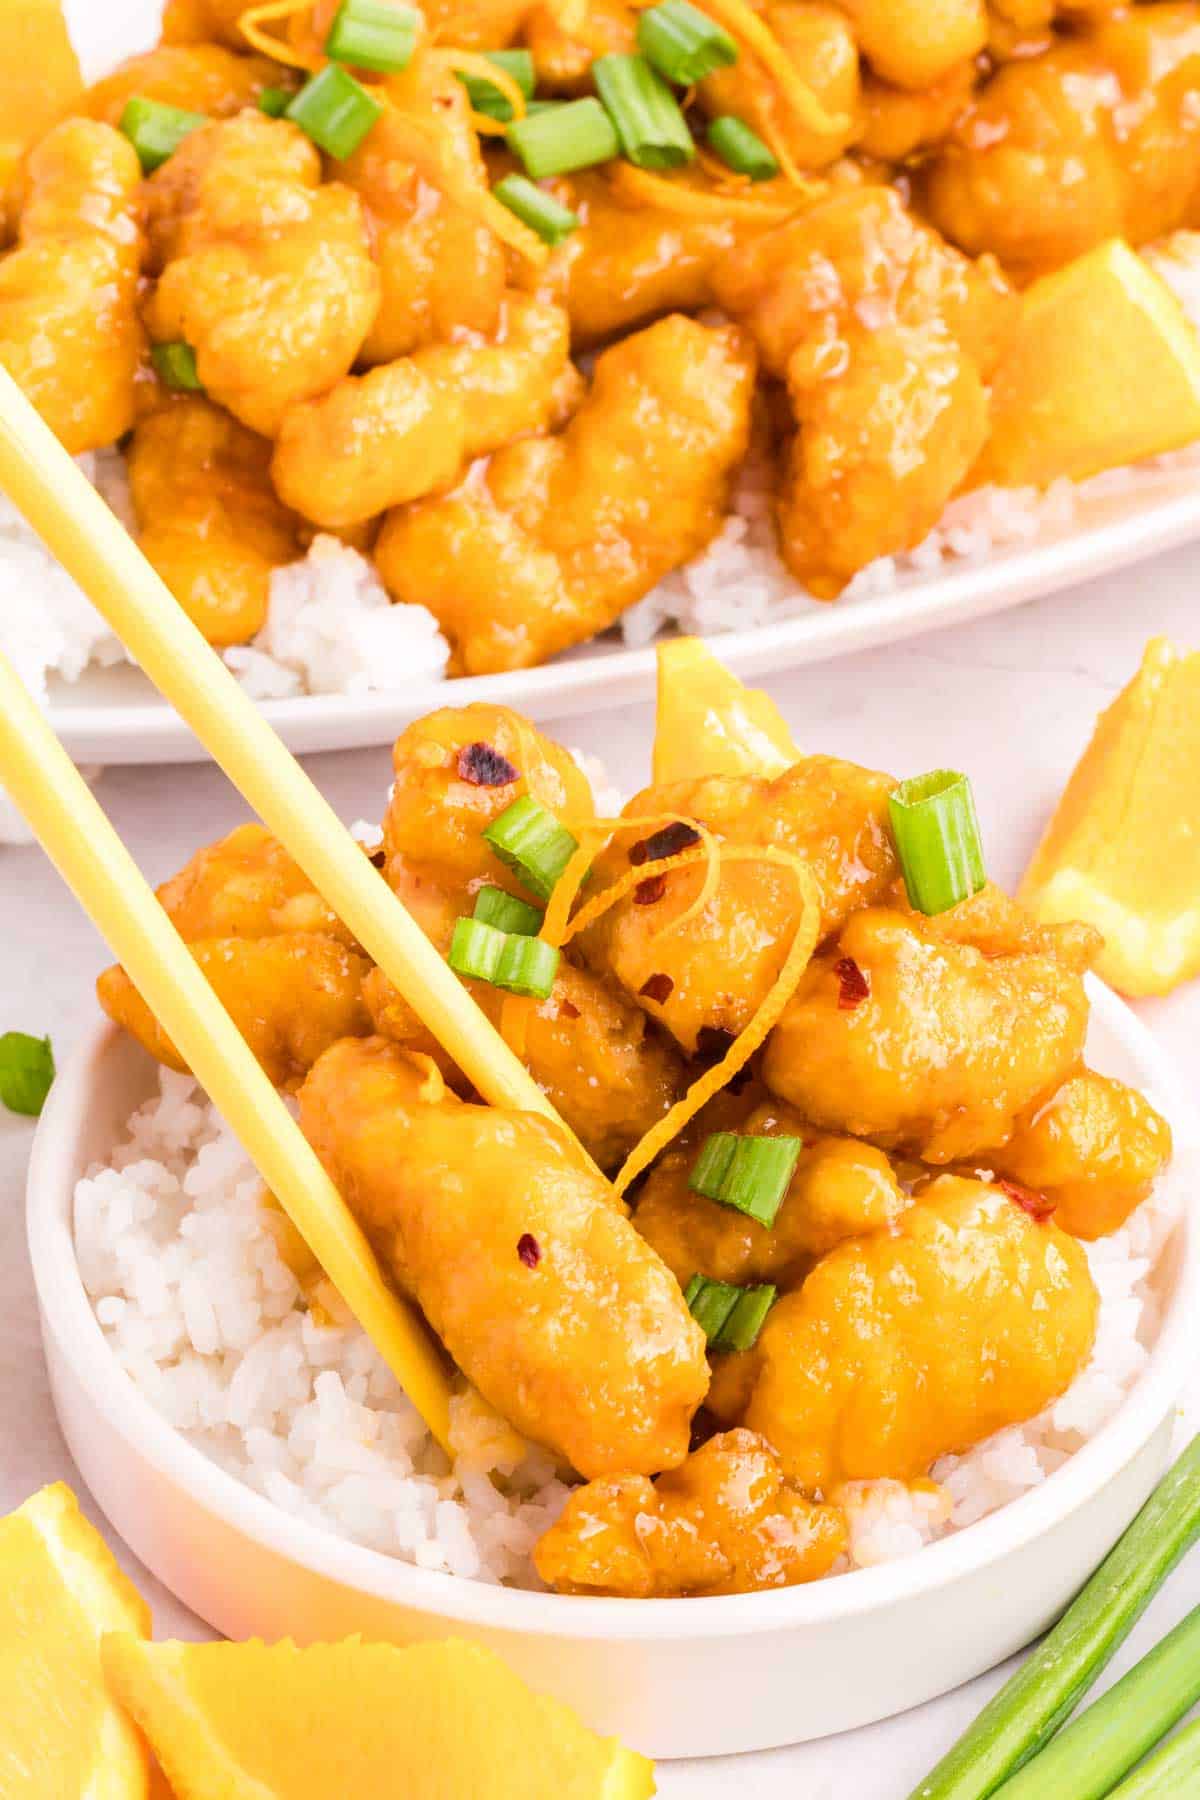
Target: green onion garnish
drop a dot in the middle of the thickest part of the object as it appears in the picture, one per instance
(1166, 1775)
(176, 366)
(371, 34)
(274, 101)
(1103, 1743)
(156, 130)
(541, 212)
(573, 136)
(750, 1174)
(26, 1072)
(937, 839)
(522, 965)
(335, 111)
(489, 100)
(1030, 1707)
(531, 842)
(741, 149)
(494, 907)
(653, 131)
(683, 43)
(730, 1317)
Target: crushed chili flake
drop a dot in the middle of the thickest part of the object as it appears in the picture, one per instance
(484, 766)
(529, 1250)
(712, 1042)
(658, 987)
(668, 842)
(567, 1010)
(377, 858)
(647, 892)
(1038, 1206)
(855, 987)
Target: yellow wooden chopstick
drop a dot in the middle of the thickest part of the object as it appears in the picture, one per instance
(95, 864)
(66, 511)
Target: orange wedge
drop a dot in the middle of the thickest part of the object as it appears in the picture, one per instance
(1123, 848)
(39, 82)
(1104, 369)
(707, 723)
(60, 1591)
(433, 1722)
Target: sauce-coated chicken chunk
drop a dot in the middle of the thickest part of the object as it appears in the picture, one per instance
(915, 43)
(713, 975)
(551, 540)
(519, 1256)
(819, 39)
(726, 1522)
(69, 328)
(923, 1045)
(969, 1315)
(209, 519)
(884, 336)
(203, 78)
(267, 271)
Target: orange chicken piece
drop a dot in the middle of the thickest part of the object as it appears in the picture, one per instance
(69, 329)
(203, 78)
(728, 1521)
(208, 517)
(967, 1316)
(819, 38)
(558, 535)
(267, 273)
(915, 43)
(519, 1256)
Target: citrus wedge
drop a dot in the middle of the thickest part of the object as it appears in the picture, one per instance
(709, 724)
(433, 1722)
(33, 41)
(60, 1591)
(1104, 369)
(1123, 848)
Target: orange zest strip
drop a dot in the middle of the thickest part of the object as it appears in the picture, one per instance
(514, 1022)
(777, 145)
(251, 22)
(644, 188)
(745, 24)
(804, 942)
(708, 887)
(423, 148)
(470, 62)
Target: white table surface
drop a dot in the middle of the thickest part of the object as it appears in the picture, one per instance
(1010, 699)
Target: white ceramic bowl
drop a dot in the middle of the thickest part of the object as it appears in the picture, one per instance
(674, 1678)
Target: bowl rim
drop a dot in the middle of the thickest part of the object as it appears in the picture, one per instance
(67, 1315)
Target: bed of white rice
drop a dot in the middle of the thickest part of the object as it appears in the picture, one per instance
(331, 628)
(184, 1268)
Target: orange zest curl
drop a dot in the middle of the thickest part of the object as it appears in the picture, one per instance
(471, 62)
(643, 188)
(251, 23)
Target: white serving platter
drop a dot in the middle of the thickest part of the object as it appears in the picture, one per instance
(115, 716)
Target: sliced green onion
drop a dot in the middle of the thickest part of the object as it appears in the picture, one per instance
(750, 1174)
(26, 1072)
(176, 366)
(653, 131)
(494, 907)
(274, 101)
(730, 1317)
(1115, 1732)
(683, 43)
(371, 34)
(156, 130)
(937, 838)
(489, 100)
(476, 949)
(335, 111)
(527, 966)
(573, 136)
(531, 842)
(1030, 1707)
(1173, 1774)
(741, 149)
(540, 211)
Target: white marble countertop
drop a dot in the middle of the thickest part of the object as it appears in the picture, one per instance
(1010, 699)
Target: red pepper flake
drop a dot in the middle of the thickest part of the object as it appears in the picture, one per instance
(658, 988)
(566, 1010)
(377, 858)
(669, 841)
(529, 1250)
(483, 766)
(855, 987)
(647, 892)
(1038, 1206)
(712, 1042)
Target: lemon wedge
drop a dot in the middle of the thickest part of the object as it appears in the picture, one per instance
(432, 1722)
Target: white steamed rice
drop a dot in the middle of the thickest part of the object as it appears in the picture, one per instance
(183, 1267)
(331, 629)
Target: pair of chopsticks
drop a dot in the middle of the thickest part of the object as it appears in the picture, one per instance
(40, 478)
